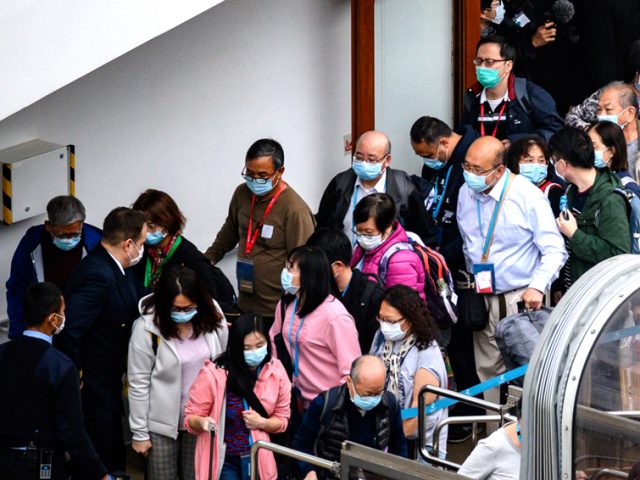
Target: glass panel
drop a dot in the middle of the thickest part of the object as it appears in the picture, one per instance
(607, 428)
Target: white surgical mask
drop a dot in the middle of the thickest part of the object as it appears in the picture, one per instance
(392, 331)
(61, 326)
(135, 261)
(369, 242)
(500, 11)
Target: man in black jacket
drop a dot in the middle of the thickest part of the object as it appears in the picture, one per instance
(370, 173)
(359, 293)
(102, 298)
(40, 407)
(360, 411)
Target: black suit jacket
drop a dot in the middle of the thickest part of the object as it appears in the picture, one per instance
(102, 305)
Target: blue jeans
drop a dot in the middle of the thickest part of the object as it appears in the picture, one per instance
(232, 468)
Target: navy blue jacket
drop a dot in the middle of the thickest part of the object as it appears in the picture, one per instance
(41, 391)
(102, 305)
(531, 110)
(26, 260)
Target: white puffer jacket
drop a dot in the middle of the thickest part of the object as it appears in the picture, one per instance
(155, 380)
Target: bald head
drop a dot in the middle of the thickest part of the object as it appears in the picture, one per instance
(373, 143)
(485, 153)
(368, 375)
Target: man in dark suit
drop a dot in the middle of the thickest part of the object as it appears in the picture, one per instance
(102, 304)
(40, 407)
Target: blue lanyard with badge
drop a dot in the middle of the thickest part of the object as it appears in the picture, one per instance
(294, 346)
(484, 273)
(438, 204)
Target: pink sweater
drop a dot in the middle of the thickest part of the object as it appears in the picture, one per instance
(207, 399)
(328, 344)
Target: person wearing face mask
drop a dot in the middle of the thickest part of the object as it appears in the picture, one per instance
(358, 292)
(180, 327)
(361, 411)
(102, 304)
(49, 252)
(406, 343)
(502, 105)
(166, 246)
(41, 398)
(609, 150)
(596, 225)
(267, 219)
(371, 173)
(530, 158)
(376, 230)
(512, 245)
(245, 395)
(319, 335)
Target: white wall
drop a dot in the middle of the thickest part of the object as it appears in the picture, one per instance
(179, 112)
(413, 70)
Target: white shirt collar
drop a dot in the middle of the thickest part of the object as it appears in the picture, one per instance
(117, 262)
(483, 96)
(379, 187)
(497, 188)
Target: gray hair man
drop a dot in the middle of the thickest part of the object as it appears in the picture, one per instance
(49, 252)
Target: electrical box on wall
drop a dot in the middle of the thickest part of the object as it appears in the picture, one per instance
(32, 174)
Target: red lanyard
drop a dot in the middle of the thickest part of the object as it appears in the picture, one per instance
(495, 130)
(252, 238)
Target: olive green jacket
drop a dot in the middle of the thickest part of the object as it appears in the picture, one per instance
(603, 225)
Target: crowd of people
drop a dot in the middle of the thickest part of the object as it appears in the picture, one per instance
(341, 318)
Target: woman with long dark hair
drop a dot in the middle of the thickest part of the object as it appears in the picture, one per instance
(245, 395)
(180, 328)
(406, 343)
(319, 334)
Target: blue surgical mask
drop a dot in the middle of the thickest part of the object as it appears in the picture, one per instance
(154, 238)
(488, 77)
(534, 172)
(366, 403)
(183, 317)
(433, 163)
(286, 280)
(255, 357)
(608, 118)
(259, 189)
(475, 182)
(367, 171)
(67, 244)
(598, 158)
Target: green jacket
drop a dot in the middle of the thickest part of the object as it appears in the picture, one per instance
(603, 225)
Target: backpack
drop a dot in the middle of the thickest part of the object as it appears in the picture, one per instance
(633, 209)
(438, 285)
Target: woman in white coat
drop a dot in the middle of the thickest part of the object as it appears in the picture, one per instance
(180, 327)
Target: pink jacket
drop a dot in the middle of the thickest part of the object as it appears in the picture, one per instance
(405, 267)
(327, 345)
(207, 398)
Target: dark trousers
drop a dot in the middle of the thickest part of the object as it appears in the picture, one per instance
(23, 465)
(463, 364)
(103, 411)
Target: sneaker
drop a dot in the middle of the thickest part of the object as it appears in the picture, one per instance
(459, 433)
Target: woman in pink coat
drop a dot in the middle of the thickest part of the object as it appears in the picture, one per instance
(256, 403)
(376, 231)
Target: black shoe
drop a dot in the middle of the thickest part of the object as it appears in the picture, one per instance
(459, 433)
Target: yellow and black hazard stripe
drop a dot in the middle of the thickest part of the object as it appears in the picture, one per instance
(71, 149)
(6, 193)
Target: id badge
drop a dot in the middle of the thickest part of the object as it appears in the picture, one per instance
(485, 278)
(244, 273)
(245, 466)
(521, 20)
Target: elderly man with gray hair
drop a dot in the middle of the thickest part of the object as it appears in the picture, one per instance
(49, 252)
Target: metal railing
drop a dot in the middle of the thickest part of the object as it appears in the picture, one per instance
(422, 423)
(609, 472)
(333, 467)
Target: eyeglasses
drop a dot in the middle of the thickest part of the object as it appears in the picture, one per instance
(360, 158)
(476, 170)
(189, 309)
(259, 180)
(487, 62)
(363, 234)
(390, 320)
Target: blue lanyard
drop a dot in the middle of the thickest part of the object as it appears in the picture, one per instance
(295, 346)
(436, 210)
(246, 407)
(494, 218)
(344, 292)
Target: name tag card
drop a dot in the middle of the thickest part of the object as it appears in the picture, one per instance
(485, 278)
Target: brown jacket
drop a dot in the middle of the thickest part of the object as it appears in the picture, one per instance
(292, 222)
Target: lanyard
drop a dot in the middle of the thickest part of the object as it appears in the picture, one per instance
(344, 292)
(150, 278)
(444, 190)
(492, 224)
(252, 238)
(246, 407)
(295, 346)
(495, 130)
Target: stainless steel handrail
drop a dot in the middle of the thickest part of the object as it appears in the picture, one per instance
(463, 420)
(609, 472)
(334, 467)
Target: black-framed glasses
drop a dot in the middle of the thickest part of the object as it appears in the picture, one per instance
(360, 158)
(487, 62)
(189, 309)
(259, 180)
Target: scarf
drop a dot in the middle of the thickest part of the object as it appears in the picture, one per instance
(393, 362)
